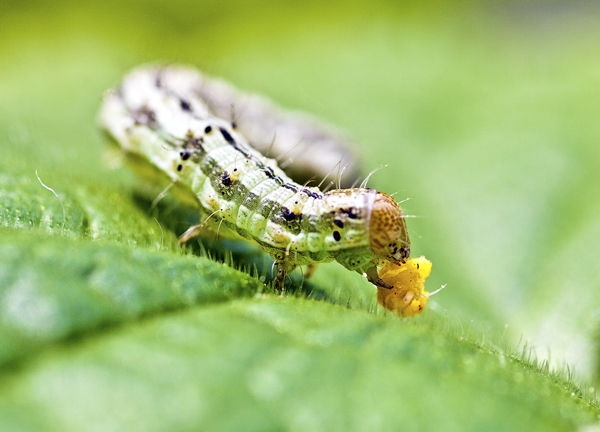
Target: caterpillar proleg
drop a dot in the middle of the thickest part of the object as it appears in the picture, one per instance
(163, 117)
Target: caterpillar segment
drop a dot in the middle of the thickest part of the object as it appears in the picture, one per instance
(160, 117)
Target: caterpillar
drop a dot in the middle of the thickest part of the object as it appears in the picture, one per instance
(162, 118)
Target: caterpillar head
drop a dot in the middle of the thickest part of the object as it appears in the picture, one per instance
(388, 235)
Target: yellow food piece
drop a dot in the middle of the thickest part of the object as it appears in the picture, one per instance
(408, 297)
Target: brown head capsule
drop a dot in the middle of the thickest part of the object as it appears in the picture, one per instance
(388, 235)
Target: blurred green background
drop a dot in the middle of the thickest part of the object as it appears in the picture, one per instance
(486, 115)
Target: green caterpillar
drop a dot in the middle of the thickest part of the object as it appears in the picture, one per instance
(160, 116)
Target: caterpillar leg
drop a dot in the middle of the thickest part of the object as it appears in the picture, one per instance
(283, 268)
(196, 230)
(190, 233)
(373, 277)
(310, 270)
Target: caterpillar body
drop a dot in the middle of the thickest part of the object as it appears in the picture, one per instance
(161, 116)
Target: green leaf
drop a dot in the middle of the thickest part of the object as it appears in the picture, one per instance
(280, 364)
(53, 289)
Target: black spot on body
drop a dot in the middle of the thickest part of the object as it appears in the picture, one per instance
(227, 136)
(208, 129)
(224, 185)
(289, 220)
(226, 180)
(179, 167)
(339, 223)
(352, 212)
(287, 214)
(233, 125)
(337, 236)
(185, 105)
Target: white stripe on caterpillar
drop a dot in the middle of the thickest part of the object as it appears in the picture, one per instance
(160, 116)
